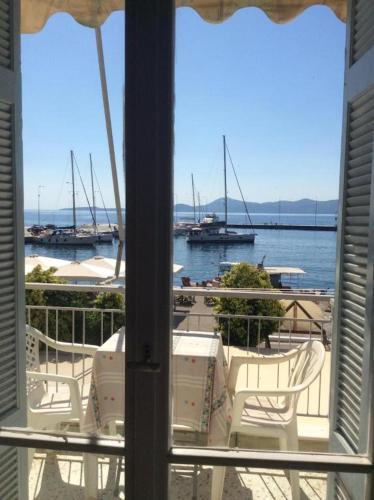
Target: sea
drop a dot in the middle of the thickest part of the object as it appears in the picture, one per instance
(312, 251)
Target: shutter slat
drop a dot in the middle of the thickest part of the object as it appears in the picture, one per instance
(353, 304)
(9, 478)
(362, 28)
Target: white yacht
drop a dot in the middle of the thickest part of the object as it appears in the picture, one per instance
(218, 235)
(65, 237)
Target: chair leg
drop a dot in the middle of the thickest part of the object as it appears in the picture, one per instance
(290, 443)
(30, 458)
(294, 474)
(195, 479)
(218, 480)
(293, 445)
(112, 428)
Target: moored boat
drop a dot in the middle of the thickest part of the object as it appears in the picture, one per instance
(63, 237)
(212, 229)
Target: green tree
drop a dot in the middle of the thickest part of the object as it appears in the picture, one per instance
(241, 333)
(63, 323)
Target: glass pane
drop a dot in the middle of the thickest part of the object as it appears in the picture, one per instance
(253, 320)
(72, 240)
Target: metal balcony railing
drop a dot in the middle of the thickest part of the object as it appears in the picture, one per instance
(95, 325)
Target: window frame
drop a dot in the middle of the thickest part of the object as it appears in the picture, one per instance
(150, 39)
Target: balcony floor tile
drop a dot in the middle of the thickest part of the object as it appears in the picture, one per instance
(56, 476)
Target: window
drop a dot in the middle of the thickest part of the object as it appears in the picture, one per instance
(149, 120)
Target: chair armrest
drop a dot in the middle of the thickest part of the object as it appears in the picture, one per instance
(242, 395)
(255, 359)
(62, 346)
(75, 396)
(70, 347)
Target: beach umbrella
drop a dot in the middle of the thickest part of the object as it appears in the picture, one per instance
(108, 263)
(177, 268)
(81, 271)
(31, 261)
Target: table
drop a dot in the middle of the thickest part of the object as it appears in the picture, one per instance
(199, 392)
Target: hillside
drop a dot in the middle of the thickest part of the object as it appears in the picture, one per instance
(304, 206)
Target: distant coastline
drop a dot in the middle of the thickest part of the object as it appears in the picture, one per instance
(303, 206)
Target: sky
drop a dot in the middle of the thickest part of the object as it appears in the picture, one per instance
(275, 91)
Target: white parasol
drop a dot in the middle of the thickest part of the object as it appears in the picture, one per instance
(31, 261)
(110, 264)
(81, 271)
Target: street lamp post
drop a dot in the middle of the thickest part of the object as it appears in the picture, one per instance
(39, 193)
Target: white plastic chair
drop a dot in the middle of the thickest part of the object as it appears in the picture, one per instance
(271, 412)
(48, 408)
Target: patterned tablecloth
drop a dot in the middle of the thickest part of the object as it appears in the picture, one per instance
(200, 398)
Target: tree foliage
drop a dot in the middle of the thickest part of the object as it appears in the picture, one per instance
(242, 332)
(64, 324)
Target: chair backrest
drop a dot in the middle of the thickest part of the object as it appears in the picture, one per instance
(35, 388)
(32, 349)
(307, 365)
(186, 281)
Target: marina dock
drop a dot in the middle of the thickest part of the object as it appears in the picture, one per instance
(287, 227)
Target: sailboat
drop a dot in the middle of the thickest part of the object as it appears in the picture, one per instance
(212, 229)
(101, 236)
(68, 236)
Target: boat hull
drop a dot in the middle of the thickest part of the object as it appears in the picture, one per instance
(104, 237)
(67, 240)
(221, 238)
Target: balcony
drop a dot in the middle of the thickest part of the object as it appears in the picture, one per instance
(61, 475)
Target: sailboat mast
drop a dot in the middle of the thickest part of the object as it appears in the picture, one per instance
(199, 204)
(193, 197)
(93, 196)
(224, 176)
(73, 185)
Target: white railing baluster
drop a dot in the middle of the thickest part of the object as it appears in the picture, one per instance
(73, 337)
(46, 347)
(258, 349)
(84, 342)
(248, 335)
(56, 354)
(228, 339)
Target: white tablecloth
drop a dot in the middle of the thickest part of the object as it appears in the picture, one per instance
(199, 372)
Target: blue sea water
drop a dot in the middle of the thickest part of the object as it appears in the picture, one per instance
(314, 252)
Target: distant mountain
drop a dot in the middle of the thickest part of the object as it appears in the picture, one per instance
(304, 206)
(87, 209)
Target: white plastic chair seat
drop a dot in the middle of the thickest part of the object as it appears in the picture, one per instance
(265, 411)
(60, 401)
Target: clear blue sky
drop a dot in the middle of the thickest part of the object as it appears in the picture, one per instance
(274, 90)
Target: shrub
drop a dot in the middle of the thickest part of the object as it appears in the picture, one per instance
(96, 329)
(245, 276)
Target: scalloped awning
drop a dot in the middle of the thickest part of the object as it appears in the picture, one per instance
(35, 13)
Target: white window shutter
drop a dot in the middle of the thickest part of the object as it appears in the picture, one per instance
(352, 381)
(13, 471)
